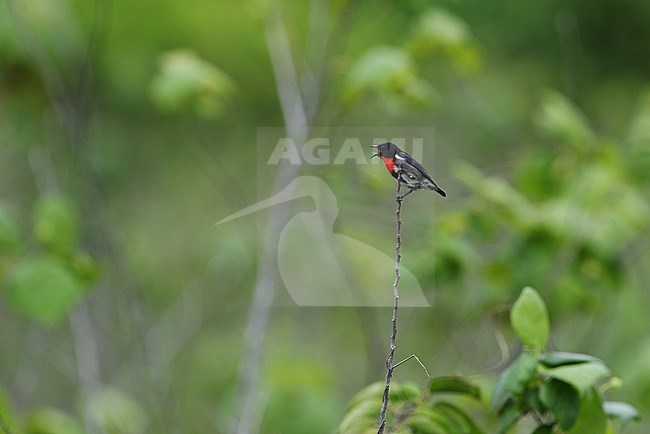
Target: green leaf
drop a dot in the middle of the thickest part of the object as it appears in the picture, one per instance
(534, 402)
(512, 206)
(427, 420)
(592, 418)
(355, 422)
(439, 27)
(425, 425)
(621, 411)
(187, 82)
(438, 30)
(529, 318)
(373, 393)
(380, 68)
(43, 289)
(52, 421)
(563, 400)
(454, 385)
(363, 410)
(507, 416)
(560, 358)
(404, 391)
(543, 430)
(562, 120)
(582, 376)
(390, 74)
(116, 412)
(56, 224)
(85, 267)
(515, 379)
(451, 411)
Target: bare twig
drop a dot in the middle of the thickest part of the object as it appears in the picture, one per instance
(413, 356)
(393, 335)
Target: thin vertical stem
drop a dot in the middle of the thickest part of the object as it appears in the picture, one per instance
(393, 334)
(248, 415)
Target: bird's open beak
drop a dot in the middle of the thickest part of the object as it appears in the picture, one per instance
(376, 154)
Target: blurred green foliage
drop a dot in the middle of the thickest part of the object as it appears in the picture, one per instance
(127, 130)
(562, 391)
(43, 289)
(186, 82)
(413, 409)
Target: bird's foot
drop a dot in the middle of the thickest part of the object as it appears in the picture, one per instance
(401, 198)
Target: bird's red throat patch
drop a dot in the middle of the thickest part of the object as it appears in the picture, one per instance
(390, 163)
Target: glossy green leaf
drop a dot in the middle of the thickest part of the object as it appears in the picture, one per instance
(563, 400)
(453, 412)
(427, 420)
(425, 425)
(507, 416)
(621, 411)
(56, 224)
(560, 358)
(356, 422)
(454, 385)
(534, 402)
(514, 380)
(372, 392)
(543, 430)
(591, 418)
(403, 391)
(363, 410)
(582, 376)
(529, 318)
(43, 289)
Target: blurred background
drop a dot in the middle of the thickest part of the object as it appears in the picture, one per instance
(128, 129)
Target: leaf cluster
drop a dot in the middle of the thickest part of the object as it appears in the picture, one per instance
(563, 393)
(45, 276)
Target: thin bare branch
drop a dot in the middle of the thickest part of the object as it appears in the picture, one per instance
(413, 356)
(393, 335)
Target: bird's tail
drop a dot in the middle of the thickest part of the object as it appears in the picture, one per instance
(432, 186)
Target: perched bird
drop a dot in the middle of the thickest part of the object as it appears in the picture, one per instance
(405, 169)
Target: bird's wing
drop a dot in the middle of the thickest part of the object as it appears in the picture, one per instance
(413, 162)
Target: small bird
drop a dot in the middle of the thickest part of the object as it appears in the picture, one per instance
(405, 169)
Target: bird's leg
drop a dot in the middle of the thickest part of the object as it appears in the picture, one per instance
(401, 198)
